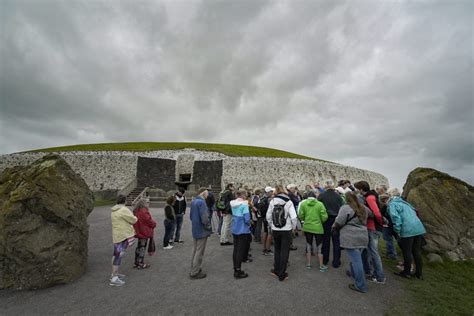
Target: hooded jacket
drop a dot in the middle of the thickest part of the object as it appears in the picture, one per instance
(332, 201)
(179, 204)
(313, 214)
(122, 223)
(240, 217)
(405, 221)
(145, 224)
(282, 199)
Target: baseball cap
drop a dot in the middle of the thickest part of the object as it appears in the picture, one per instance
(269, 189)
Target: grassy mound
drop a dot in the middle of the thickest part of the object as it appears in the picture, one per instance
(229, 150)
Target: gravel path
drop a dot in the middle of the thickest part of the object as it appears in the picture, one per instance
(165, 288)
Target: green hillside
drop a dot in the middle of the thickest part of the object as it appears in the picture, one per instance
(230, 150)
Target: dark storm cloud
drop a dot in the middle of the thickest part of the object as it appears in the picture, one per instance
(385, 86)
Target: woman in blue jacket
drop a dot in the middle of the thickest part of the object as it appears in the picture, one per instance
(240, 231)
(410, 230)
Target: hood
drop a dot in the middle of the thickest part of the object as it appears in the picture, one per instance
(279, 199)
(117, 207)
(238, 202)
(311, 201)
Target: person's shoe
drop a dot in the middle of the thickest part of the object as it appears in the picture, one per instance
(374, 280)
(268, 253)
(248, 260)
(179, 241)
(240, 274)
(284, 278)
(403, 275)
(168, 247)
(115, 281)
(355, 288)
(348, 273)
(323, 268)
(228, 243)
(336, 265)
(309, 267)
(272, 272)
(293, 247)
(120, 276)
(198, 276)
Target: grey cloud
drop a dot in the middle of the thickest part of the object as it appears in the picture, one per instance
(379, 85)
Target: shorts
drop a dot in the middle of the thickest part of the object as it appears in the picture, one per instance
(311, 236)
(266, 228)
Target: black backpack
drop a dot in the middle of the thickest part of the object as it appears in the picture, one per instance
(262, 206)
(279, 215)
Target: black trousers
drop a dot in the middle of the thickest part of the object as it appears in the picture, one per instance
(411, 248)
(241, 249)
(336, 249)
(282, 242)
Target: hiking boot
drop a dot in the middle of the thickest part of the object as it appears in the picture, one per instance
(115, 281)
(198, 276)
(240, 274)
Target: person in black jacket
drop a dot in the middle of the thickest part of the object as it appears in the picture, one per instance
(179, 206)
(333, 202)
(227, 214)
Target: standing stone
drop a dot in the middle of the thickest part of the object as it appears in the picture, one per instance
(446, 207)
(43, 224)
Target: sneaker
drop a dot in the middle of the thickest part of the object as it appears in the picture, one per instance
(374, 280)
(355, 288)
(168, 247)
(323, 268)
(198, 276)
(309, 267)
(115, 281)
(272, 272)
(120, 276)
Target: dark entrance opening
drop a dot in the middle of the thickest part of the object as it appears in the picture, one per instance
(185, 177)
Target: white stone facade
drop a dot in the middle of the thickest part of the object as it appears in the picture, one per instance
(113, 170)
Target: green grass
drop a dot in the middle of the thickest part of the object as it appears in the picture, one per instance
(103, 202)
(230, 150)
(447, 289)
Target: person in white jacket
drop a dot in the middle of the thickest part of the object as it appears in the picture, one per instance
(281, 217)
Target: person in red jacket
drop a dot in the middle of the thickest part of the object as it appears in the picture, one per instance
(143, 232)
(371, 258)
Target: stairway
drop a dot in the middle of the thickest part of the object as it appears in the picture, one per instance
(133, 195)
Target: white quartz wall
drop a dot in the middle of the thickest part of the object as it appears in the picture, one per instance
(260, 172)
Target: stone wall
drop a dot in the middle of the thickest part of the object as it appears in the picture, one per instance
(156, 173)
(260, 172)
(207, 173)
(102, 171)
(109, 171)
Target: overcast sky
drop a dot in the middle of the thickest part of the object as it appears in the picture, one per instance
(384, 86)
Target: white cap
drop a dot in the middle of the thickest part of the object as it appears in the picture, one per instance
(291, 186)
(269, 189)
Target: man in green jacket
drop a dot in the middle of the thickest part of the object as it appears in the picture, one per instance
(312, 214)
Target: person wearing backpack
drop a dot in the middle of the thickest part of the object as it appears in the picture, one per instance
(258, 226)
(409, 227)
(267, 231)
(281, 217)
(223, 204)
(312, 214)
(373, 262)
(351, 222)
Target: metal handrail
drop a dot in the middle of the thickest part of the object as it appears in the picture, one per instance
(139, 196)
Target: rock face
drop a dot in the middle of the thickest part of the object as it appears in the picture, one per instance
(446, 207)
(43, 227)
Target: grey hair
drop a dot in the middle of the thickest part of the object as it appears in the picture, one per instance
(141, 203)
(330, 183)
(394, 192)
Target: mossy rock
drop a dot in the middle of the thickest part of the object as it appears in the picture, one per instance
(446, 207)
(43, 224)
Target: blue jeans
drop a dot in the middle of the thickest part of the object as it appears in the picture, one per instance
(179, 223)
(169, 227)
(357, 269)
(388, 237)
(373, 258)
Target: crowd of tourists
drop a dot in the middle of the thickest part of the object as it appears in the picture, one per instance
(350, 217)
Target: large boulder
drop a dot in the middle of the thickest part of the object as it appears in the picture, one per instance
(43, 224)
(446, 207)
